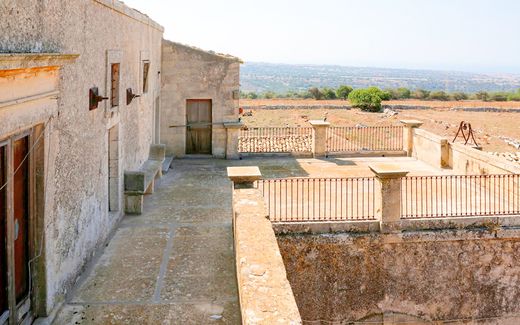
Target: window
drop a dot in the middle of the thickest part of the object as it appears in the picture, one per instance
(146, 69)
(113, 83)
(114, 91)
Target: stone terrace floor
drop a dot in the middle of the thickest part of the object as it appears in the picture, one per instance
(174, 264)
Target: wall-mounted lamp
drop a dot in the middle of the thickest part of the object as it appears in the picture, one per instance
(130, 96)
(94, 98)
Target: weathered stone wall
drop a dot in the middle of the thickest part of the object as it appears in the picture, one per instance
(443, 275)
(190, 73)
(77, 220)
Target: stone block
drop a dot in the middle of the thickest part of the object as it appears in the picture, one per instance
(134, 204)
(157, 152)
(135, 181)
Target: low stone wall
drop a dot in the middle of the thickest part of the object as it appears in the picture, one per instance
(487, 109)
(327, 106)
(271, 144)
(405, 107)
(420, 276)
(462, 159)
(430, 148)
(265, 294)
(467, 160)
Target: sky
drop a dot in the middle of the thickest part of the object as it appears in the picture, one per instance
(462, 35)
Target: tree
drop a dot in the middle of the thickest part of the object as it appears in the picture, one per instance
(403, 93)
(328, 93)
(514, 96)
(421, 94)
(252, 95)
(268, 95)
(499, 97)
(482, 95)
(343, 91)
(366, 99)
(459, 96)
(385, 95)
(439, 95)
(315, 93)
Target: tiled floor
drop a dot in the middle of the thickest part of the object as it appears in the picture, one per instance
(172, 265)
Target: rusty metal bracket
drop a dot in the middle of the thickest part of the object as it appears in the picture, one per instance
(94, 98)
(466, 131)
(130, 96)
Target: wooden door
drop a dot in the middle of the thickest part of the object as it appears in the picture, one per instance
(4, 301)
(198, 130)
(21, 217)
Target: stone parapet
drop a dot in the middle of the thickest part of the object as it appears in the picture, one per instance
(266, 296)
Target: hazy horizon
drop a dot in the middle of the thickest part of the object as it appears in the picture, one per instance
(465, 35)
(386, 68)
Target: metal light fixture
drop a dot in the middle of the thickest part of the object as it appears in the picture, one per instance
(94, 98)
(130, 96)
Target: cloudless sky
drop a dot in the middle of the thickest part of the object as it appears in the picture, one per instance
(465, 35)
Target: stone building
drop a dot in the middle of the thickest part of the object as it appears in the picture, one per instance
(80, 104)
(200, 101)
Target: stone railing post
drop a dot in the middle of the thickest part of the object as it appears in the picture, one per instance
(319, 138)
(232, 134)
(244, 177)
(409, 125)
(389, 200)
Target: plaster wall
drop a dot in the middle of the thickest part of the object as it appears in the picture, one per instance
(190, 73)
(77, 220)
(433, 276)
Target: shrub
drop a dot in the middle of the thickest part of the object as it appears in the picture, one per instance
(328, 93)
(482, 95)
(459, 96)
(366, 99)
(385, 95)
(252, 95)
(514, 97)
(439, 95)
(421, 94)
(315, 93)
(343, 91)
(499, 97)
(402, 93)
(268, 95)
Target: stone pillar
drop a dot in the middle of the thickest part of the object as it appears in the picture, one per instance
(389, 200)
(319, 138)
(244, 177)
(232, 134)
(409, 125)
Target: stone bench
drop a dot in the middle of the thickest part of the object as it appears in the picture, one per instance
(142, 181)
